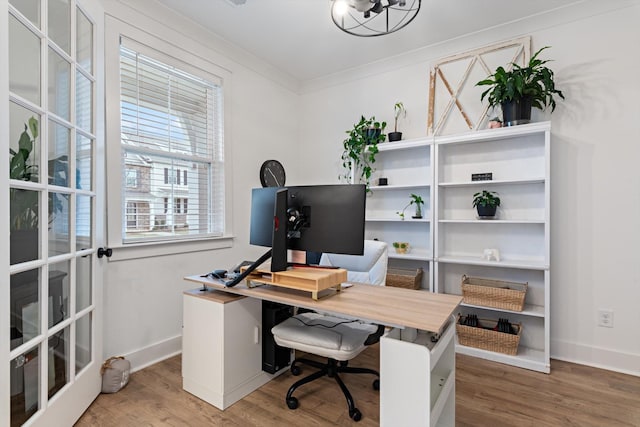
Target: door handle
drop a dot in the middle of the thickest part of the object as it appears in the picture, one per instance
(105, 251)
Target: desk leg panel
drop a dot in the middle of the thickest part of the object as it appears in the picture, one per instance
(417, 380)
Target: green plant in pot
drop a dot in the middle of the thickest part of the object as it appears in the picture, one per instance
(360, 149)
(417, 200)
(486, 203)
(24, 204)
(398, 111)
(401, 247)
(520, 89)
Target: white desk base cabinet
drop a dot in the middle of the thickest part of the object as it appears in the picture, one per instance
(417, 379)
(221, 346)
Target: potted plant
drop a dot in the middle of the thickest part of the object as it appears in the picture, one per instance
(398, 110)
(24, 212)
(486, 203)
(401, 247)
(360, 149)
(518, 90)
(417, 200)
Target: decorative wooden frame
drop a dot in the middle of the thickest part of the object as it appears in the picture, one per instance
(516, 50)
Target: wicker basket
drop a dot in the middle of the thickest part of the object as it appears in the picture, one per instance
(410, 279)
(487, 339)
(493, 293)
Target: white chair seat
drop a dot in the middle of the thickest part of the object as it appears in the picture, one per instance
(337, 339)
(323, 335)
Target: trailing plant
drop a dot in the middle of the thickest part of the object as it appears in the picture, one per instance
(486, 198)
(535, 81)
(360, 149)
(417, 200)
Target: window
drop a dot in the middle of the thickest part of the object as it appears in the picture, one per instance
(171, 126)
(131, 178)
(137, 214)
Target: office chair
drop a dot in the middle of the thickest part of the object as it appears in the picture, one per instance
(337, 339)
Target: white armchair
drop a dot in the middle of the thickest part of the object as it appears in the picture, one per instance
(337, 339)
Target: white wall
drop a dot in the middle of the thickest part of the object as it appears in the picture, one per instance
(143, 296)
(595, 210)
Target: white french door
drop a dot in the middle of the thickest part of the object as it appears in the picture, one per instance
(53, 131)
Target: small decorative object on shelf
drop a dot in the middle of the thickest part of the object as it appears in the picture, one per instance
(398, 110)
(491, 255)
(401, 247)
(360, 149)
(487, 176)
(383, 181)
(521, 88)
(417, 200)
(486, 204)
(494, 123)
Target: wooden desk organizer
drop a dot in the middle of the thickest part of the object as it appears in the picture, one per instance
(307, 279)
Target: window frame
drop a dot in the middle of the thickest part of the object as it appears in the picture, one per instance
(193, 60)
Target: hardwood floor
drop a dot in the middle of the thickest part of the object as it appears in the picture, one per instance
(487, 394)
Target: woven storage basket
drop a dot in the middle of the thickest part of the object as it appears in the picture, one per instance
(493, 293)
(486, 339)
(410, 279)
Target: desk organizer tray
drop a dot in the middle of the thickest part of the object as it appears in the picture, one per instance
(487, 339)
(409, 279)
(307, 279)
(493, 293)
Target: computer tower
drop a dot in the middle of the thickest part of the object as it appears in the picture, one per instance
(274, 357)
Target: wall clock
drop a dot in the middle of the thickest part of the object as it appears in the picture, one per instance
(272, 174)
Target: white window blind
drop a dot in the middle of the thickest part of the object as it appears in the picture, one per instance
(171, 134)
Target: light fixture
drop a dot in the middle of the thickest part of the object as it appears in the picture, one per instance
(370, 18)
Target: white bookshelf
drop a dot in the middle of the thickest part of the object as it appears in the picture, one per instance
(408, 167)
(518, 158)
(449, 240)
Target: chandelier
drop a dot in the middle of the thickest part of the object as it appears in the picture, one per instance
(370, 18)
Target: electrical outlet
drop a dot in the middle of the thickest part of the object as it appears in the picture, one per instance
(605, 318)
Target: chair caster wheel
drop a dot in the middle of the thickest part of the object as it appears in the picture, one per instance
(355, 415)
(292, 402)
(295, 370)
(376, 384)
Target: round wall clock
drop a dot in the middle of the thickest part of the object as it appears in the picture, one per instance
(272, 174)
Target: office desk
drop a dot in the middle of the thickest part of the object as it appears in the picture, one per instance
(417, 377)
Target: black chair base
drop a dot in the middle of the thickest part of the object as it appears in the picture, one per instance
(331, 369)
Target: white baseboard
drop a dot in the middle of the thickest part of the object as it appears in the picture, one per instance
(155, 353)
(626, 363)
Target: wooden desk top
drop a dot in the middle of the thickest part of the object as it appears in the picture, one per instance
(397, 307)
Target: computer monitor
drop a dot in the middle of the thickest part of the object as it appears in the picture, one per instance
(315, 218)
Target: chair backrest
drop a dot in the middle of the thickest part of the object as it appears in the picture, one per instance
(371, 267)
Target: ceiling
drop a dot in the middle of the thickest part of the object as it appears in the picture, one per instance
(299, 38)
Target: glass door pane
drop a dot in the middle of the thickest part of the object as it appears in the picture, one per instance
(84, 42)
(24, 61)
(59, 85)
(29, 8)
(60, 23)
(25, 380)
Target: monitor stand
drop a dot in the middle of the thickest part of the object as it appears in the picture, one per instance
(249, 270)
